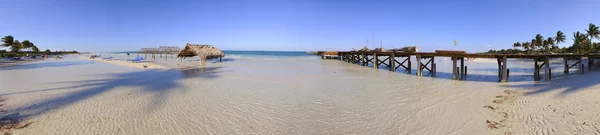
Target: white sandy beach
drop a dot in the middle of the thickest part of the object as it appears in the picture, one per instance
(305, 96)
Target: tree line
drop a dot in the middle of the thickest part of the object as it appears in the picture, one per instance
(16, 46)
(582, 43)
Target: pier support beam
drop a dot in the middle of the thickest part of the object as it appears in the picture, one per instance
(454, 74)
(424, 66)
(502, 69)
(566, 62)
(432, 70)
(375, 61)
(547, 72)
(364, 59)
(392, 62)
(419, 69)
(505, 69)
(407, 67)
(590, 62)
(462, 68)
(580, 64)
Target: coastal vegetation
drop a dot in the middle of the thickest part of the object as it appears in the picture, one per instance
(24, 48)
(582, 43)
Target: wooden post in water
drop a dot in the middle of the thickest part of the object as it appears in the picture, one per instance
(434, 69)
(419, 69)
(375, 61)
(364, 59)
(454, 77)
(507, 74)
(392, 63)
(505, 69)
(457, 70)
(498, 59)
(566, 65)
(432, 66)
(580, 65)
(466, 72)
(409, 64)
(462, 67)
(536, 71)
(547, 71)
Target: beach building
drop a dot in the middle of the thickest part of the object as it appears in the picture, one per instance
(205, 52)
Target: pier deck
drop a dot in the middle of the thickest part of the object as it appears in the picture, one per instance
(426, 61)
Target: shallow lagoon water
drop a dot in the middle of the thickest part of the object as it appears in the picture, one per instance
(291, 95)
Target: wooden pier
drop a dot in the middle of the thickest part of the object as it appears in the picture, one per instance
(426, 61)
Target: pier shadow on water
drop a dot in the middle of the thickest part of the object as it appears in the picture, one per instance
(567, 84)
(157, 83)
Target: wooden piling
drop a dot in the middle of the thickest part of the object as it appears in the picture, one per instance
(392, 63)
(457, 70)
(409, 64)
(375, 61)
(466, 72)
(498, 59)
(364, 59)
(566, 65)
(434, 69)
(536, 71)
(580, 64)
(432, 66)
(419, 69)
(504, 67)
(590, 63)
(547, 71)
(462, 68)
(507, 74)
(454, 77)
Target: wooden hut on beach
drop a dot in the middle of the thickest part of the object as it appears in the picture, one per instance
(205, 52)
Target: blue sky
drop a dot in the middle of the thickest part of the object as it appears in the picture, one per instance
(302, 25)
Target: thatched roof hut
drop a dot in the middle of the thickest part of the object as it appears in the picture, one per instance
(203, 51)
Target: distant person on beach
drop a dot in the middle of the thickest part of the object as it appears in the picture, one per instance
(127, 54)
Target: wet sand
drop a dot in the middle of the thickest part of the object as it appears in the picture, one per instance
(305, 96)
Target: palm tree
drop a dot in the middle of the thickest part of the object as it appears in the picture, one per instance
(35, 49)
(516, 45)
(7, 41)
(16, 46)
(539, 39)
(593, 32)
(579, 40)
(26, 44)
(533, 45)
(549, 43)
(560, 37)
(526, 46)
